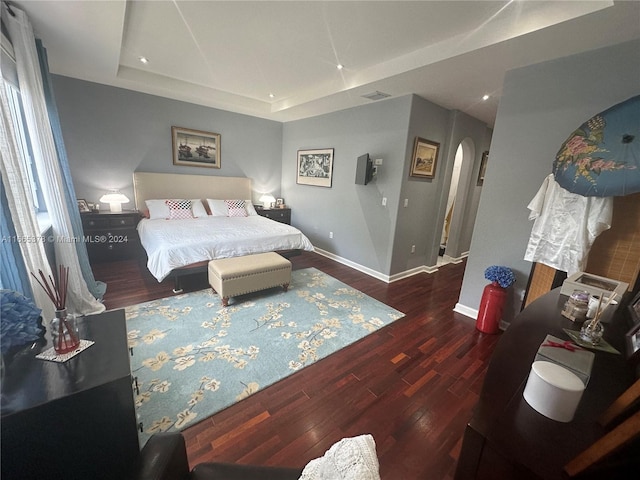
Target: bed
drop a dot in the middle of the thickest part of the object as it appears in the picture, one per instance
(178, 246)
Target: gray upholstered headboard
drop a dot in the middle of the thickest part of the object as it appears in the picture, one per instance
(149, 186)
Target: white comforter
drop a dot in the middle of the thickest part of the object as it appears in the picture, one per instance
(173, 244)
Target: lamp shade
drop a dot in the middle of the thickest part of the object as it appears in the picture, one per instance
(115, 200)
(267, 199)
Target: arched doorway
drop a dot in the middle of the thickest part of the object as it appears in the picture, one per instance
(450, 248)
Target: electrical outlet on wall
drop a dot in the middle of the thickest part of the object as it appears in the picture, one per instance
(330, 234)
(413, 249)
(384, 201)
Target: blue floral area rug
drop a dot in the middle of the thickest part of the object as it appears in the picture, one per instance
(193, 357)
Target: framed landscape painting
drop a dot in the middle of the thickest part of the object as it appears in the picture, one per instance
(315, 167)
(425, 158)
(195, 148)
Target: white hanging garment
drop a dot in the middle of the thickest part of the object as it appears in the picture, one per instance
(565, 226)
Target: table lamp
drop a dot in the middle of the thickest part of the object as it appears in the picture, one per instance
(267, 199)
(115, 200)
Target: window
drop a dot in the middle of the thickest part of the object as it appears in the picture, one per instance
(10, 84)
(24, 146)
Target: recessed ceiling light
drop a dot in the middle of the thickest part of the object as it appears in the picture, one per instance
(144, 60)
(271, 95)
(339, 66)
(485, 97)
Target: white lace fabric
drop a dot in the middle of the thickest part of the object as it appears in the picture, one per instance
(349, 459)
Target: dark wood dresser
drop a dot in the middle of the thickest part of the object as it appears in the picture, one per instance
(282, 215)
(72, 420)
(508, 439)
(112, 236)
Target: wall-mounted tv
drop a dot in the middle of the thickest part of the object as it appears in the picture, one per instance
(364, 169)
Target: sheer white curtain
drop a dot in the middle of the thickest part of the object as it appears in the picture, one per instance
(79, 298)
(20, 201)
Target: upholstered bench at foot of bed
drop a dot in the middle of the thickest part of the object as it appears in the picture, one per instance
(231, 277)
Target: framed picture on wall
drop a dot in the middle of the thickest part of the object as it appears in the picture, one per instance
(425, 158)
(315, 167)
(195, 148)
(483, 168)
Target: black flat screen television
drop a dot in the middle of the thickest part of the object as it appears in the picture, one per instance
(364, 169)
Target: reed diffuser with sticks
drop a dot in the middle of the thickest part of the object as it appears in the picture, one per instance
(592, 330)
(64, 330)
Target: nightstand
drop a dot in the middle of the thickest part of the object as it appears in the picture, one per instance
(282, 215)
(111, 236)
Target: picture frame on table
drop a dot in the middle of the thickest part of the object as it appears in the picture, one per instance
(632, 337)
(83, 206)
(483, 168)
(195, 148)
(425, 158)
(315, 167)
(279, 203)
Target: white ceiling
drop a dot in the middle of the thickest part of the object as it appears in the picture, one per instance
(232, 55)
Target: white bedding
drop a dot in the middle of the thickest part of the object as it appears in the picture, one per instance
(173, 244)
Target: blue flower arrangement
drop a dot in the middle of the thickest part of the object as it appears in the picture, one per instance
(503, 276)
(19, 320)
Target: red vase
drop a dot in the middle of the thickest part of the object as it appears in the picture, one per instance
(491, 308)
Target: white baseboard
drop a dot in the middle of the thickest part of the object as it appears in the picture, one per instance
(466, 311)
(414, 271)
(354, 265)
(450, 259)
(373, 273)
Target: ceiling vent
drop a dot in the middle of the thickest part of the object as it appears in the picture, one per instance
(376, 95)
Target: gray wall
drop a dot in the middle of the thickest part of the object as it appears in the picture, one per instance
(363, 229)
(110, 132)
(473, 199)
(366, 233)
(475, 137)
(418, 222)
(541, 106)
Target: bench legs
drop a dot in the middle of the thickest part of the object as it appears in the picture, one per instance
(225, 300)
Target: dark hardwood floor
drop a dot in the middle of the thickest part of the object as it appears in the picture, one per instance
(412, 385)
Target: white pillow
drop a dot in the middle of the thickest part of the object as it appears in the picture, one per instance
(251, 211)
(219, 207)
(197, 208)
(159, 209)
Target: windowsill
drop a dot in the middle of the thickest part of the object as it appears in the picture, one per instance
(44, 224)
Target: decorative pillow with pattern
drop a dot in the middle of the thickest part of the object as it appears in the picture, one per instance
(158, 208)
(236, 208)
(179, 209)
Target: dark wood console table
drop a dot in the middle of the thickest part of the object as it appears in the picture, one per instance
(507, 439)
(72, 420)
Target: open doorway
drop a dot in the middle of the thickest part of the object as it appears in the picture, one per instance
(456, 207)
(451, 200)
